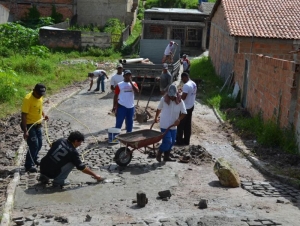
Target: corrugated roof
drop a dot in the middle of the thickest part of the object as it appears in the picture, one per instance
(175, 10)
(262, 18)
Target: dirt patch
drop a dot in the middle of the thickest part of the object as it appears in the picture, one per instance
(195, 154)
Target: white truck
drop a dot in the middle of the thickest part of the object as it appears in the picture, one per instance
(153, 49)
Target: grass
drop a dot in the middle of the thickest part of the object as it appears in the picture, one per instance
(267, 133)
(19, 74)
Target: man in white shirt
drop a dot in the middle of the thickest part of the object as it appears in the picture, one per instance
(189, 91)
(185, 63)
(118, 77)
(169, 52)
(171, 110)
(124, 101)
(101, 74)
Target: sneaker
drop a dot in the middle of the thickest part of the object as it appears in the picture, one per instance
(31, 170)
(66, 183)
(37, 162)
(43, 179)
(96, 89)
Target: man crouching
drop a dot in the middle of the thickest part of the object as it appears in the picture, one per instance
(62, 158)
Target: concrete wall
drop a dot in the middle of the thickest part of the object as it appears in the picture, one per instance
(101, 40)
(97, 12)
(4, 15)
(19, 8)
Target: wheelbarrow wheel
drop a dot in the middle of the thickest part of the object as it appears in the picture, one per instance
(123, 156)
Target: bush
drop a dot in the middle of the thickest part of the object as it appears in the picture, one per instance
(8, 83)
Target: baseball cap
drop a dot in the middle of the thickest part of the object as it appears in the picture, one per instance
(165, 66)
(119, 65)
(127, 72)
(40, 89)
(172, 91)
(184, 55)
(171, 42)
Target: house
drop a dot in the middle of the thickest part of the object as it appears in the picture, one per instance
(259, 42)
(84, 12)
(97, 12)
(4, 15)
(187, 25)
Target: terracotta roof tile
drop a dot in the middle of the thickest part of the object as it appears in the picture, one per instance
(263, 18)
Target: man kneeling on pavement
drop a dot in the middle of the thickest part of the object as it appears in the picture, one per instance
(62, 158)
(171, 110)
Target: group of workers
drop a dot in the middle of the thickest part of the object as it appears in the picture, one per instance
(174, 113)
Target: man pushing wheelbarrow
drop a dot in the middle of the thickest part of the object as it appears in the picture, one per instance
(171, 110)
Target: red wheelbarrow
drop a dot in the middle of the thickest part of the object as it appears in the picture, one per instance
(136, 140)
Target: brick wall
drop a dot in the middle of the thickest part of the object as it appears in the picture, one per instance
(19, 8)
(221, 45)
(60, 38)
(276, 48)
(272, 88)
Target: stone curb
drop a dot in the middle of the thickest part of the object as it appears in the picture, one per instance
(11, 189)
(260, 165)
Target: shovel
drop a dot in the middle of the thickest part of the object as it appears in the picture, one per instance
(143, 116)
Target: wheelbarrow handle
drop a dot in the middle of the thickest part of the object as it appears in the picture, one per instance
(166, 129)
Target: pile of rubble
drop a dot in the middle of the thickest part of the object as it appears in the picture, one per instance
(195, 154)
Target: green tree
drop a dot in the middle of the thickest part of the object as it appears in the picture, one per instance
(33, 13)
(56, 16)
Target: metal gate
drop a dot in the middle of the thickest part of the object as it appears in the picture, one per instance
(190, 37)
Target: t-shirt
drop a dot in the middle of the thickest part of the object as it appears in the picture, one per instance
(190, 88)
(61, 153)
(98, 73)
(185, 64)
(33, 108)
(169, 49)
(170, 113)
(126, 94)
(165, 81)
(115, 79)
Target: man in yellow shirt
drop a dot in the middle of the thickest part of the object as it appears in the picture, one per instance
(31, 118)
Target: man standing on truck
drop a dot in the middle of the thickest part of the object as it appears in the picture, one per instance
(165, 79)
(124, 101)
(118, 77)
(169, 52)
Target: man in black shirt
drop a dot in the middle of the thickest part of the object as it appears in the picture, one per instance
(62, 158)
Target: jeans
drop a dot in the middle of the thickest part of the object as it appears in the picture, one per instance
(168, 140)
(101, 80)
(34, 142)
(65, 171)
(184, 129)
(127, 114)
